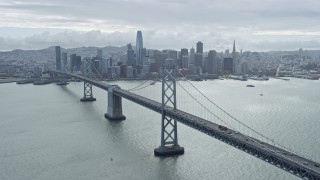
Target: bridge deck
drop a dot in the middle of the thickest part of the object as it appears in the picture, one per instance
(290, 162)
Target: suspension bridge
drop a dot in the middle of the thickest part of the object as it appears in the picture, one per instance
(264, 148)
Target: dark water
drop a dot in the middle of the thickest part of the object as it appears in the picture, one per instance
(47, 133)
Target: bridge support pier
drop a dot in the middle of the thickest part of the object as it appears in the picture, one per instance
(87, 87)
(169, 133)
(114, 106)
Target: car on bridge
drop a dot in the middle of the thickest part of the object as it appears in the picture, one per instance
(223, 128)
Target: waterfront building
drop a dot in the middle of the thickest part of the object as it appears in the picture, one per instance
(238, 69)
(245, 68)
(123, 71)
(129, 72)
(228, 65)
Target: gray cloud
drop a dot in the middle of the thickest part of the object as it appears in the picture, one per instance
(66, 39)
(165, 23)
(157, 39)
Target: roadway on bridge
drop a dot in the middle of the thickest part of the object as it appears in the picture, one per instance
(288, 161)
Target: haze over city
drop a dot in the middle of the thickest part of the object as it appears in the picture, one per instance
(256, 25)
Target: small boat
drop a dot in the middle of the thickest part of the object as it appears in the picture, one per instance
(62, 83)
(250, 85)
(42, 82)
(25, 81)
(152, 83)
(197, 79)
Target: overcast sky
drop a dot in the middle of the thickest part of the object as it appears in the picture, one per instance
(259, 25)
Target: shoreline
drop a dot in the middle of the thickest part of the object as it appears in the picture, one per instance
(9, 80)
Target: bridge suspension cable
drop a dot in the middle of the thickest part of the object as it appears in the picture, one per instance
(204, 106)
(101, 77)
(139, 86)
(229, 115)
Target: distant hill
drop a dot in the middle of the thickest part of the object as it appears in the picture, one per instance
(48, 54)
(311, 53)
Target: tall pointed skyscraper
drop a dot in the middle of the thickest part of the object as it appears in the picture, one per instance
(139, 48)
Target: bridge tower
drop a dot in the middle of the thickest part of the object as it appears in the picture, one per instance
(64, 69)
(87, 87)
(114, 105)
(169, 134)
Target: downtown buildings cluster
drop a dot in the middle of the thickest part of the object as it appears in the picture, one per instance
(139, 62)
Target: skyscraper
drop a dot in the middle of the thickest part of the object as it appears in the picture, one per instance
(139, 49)
(99, 54)
(301, 53)
(72, 61)
(228, 65)
(198, 57)
(58, 58)
(234, 47)
(191, 61)
(75, 62)
(184, 52)
(130, 55)
(234, 56)
(185, 62)
(212, 63)
(64, 56)
(199, 47)
(160, 58)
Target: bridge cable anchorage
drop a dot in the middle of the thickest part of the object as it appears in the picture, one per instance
(232, 117)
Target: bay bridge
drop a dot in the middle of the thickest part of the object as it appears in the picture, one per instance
(266, 150)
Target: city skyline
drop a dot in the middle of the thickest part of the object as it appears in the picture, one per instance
(257, 26)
